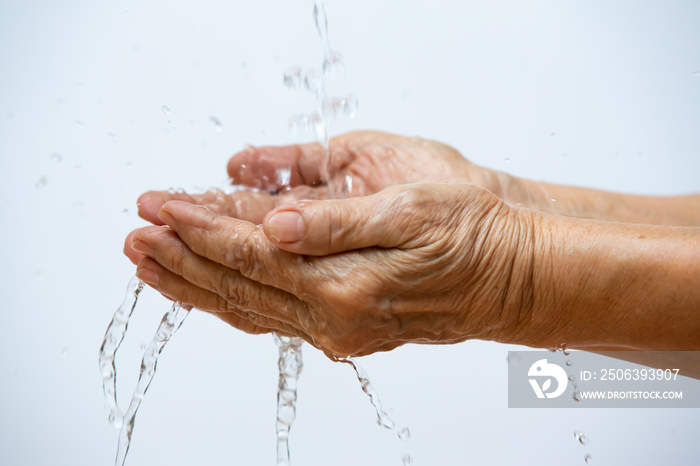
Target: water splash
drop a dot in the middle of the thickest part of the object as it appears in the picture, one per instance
(171, 322)
(383, 418)
(290, 365)
(328, 108)
(217, 124)
(113, 338)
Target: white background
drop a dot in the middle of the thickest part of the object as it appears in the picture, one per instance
(602, 94)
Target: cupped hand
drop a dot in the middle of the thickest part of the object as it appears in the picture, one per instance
(362, 163)
(422, 263)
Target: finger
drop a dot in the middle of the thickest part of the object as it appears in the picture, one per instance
(246, 205)
(274, 306)
(150, 202)
(178, 289)
(274, 168)
(235, 244)
(331, 226)
(133, 255)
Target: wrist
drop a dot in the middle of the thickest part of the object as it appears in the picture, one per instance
(603, 285)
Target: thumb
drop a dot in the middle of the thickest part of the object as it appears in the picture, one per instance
(325, 227)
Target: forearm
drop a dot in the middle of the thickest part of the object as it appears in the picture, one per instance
(607, 285)
(597, 204)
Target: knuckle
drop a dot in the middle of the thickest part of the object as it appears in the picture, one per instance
(231, 290)
(243, 252)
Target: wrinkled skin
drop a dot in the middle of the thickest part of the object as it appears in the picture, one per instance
(428, 264)
(423, 263)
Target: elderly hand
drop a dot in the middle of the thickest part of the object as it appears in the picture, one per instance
(363, 163)
(427, 263)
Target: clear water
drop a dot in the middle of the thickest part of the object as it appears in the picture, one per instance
(171, 322)
(290, 365)
(383, 418)
(113, 338)
(290, 355)
(580, 437)
(329, 108)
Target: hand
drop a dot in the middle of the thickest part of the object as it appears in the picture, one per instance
(417, 263)
(363, 163)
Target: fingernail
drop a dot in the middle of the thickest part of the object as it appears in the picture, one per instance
(286, 226)
(166, 218)
(142, 247)
(148, 276)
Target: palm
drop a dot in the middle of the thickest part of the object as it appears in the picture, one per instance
(369, 161)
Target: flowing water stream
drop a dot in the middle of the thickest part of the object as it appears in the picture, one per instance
(290, 355)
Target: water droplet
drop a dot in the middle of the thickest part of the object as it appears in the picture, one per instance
(507, 159)
(513, 358)
(64, 351)
(125, 211)
(165, 109)
(552, 199)
(577, 395)
(588, 459)
(581, 437)
(79, 124)
(111, 134)
(566, 352)
(333, 66)
(405, 434)
(42, 182)
(569, 363)
(292, 77)
(143, 346)
(551, 135)
(129, 164)
(217, 124)
(561, 347)
(697, 74)
(312, 81)
(349, 105)
(305, 123)
(572, 378)
(284, 176)
(348, 185)
(407, 460)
